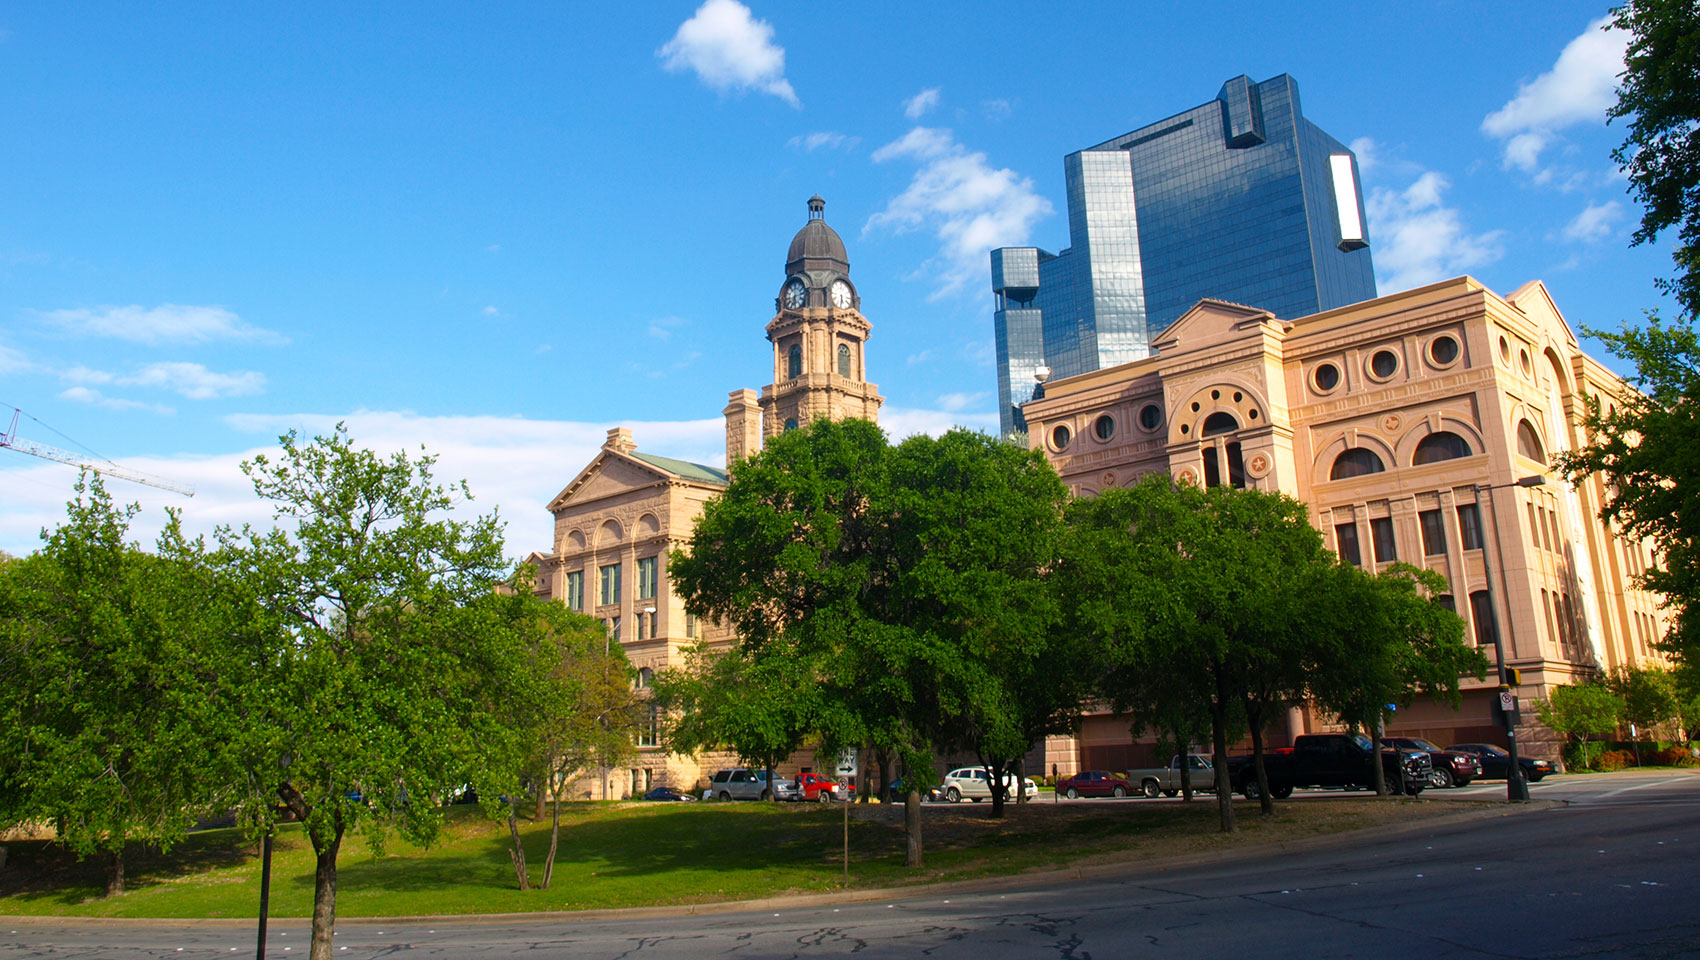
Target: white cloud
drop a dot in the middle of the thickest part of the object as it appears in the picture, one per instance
(1418, 239)
(512, 465)
(1367, 151)
(1594, 222)
(916, 358)
(11, 361)
(491, 311)
(917, 106)
(166, 323)
(191, 380)
(729, 51)
(662, 328)
(195, 381)
(95, 398)
(1580, 88)
(903, 422)
(823, 139)
(970, 206)
(954, 402)
(998, 109)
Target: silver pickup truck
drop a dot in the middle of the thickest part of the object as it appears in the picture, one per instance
(1167, 780)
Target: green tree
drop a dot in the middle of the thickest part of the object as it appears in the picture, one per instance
(1202, 589)
(1585, 710)
(119, 681)
(1659, 97)
(895, 575)
(1646, 446)
(761, 708)
(374, 703)
(1385, 640)
(1650, 696)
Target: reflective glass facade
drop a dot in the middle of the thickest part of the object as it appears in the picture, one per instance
(1237, 199)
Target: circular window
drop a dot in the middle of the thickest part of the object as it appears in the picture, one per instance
(1252, 414)
(1215, 394)
(1195, 406)
(1150, 417)
(1185, 429)
(1443, 350)
(1383, 364)
(1238, 396)
(1504, 350)
(1104, 427)
(1327, 377)
(1060, 437)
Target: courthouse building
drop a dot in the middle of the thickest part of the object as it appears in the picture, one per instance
(1406, 423)
(616, 522)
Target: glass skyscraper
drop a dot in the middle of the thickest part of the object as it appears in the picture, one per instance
(1239, 199)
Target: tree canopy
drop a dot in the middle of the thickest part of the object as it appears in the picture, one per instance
(1660, 98)
(907, 579)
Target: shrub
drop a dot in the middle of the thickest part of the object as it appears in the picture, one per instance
(1616, 760)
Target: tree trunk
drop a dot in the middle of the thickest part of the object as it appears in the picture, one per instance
(1219, 747)
(1020, 766)
(885, 775)
(865, 774)
(912, 824)
(1254, 718)
(115, 873)
(1184, 751)
(324, 894)
(517, 853)
(554, 840)
(1378, 776)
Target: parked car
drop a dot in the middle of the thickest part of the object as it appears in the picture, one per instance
(1167, 780)
(1496, 762)
(1331, 760)
(668, 794)
(1094, 783)
(742, 783)
(816, 788)
(975, 783)
(1452, 768)
(898, 793)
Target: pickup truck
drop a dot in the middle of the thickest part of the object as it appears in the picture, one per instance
(1167, 780)
(816, 788)
(1331, 760)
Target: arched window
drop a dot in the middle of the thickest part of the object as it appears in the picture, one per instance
(1356, 462)
(791, 424)
(844, 360)
(645, 677)
(1529, 442)
(1219, 423)
(1440, 446)
(794, 361)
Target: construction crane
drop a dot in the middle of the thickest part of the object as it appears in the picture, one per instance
(11, 441)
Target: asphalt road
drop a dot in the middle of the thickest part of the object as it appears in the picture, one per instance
(1613, 871)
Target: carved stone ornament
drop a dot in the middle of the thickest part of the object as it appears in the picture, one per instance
(1187, 476)
(1258, 465)
(1390, 423)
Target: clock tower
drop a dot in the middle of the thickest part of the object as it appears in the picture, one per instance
(818, 335)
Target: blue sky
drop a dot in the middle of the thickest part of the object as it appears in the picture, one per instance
(499, 230)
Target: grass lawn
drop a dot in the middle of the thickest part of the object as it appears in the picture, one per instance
(635, 854)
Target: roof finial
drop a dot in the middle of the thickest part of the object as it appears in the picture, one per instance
(816, 206)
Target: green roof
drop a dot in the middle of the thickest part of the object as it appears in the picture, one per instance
(684, 468)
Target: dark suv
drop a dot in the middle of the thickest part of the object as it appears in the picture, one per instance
(1452, 768)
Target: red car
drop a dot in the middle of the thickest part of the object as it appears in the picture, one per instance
(818, 789)
(1094, 783)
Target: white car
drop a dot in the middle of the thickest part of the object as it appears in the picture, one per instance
(975, 783)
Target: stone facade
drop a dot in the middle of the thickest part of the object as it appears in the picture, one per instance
(1406, 423)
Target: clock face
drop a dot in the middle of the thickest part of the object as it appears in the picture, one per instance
(841, 294)
(794, 295)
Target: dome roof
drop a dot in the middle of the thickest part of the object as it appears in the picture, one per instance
(816, 246)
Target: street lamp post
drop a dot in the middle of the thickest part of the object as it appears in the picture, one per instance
(1516, 788)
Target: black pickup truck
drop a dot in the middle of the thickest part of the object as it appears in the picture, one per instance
(1331, 760)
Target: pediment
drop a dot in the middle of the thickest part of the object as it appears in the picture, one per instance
(609, 474)
(1535, 300)
(1210, 322)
